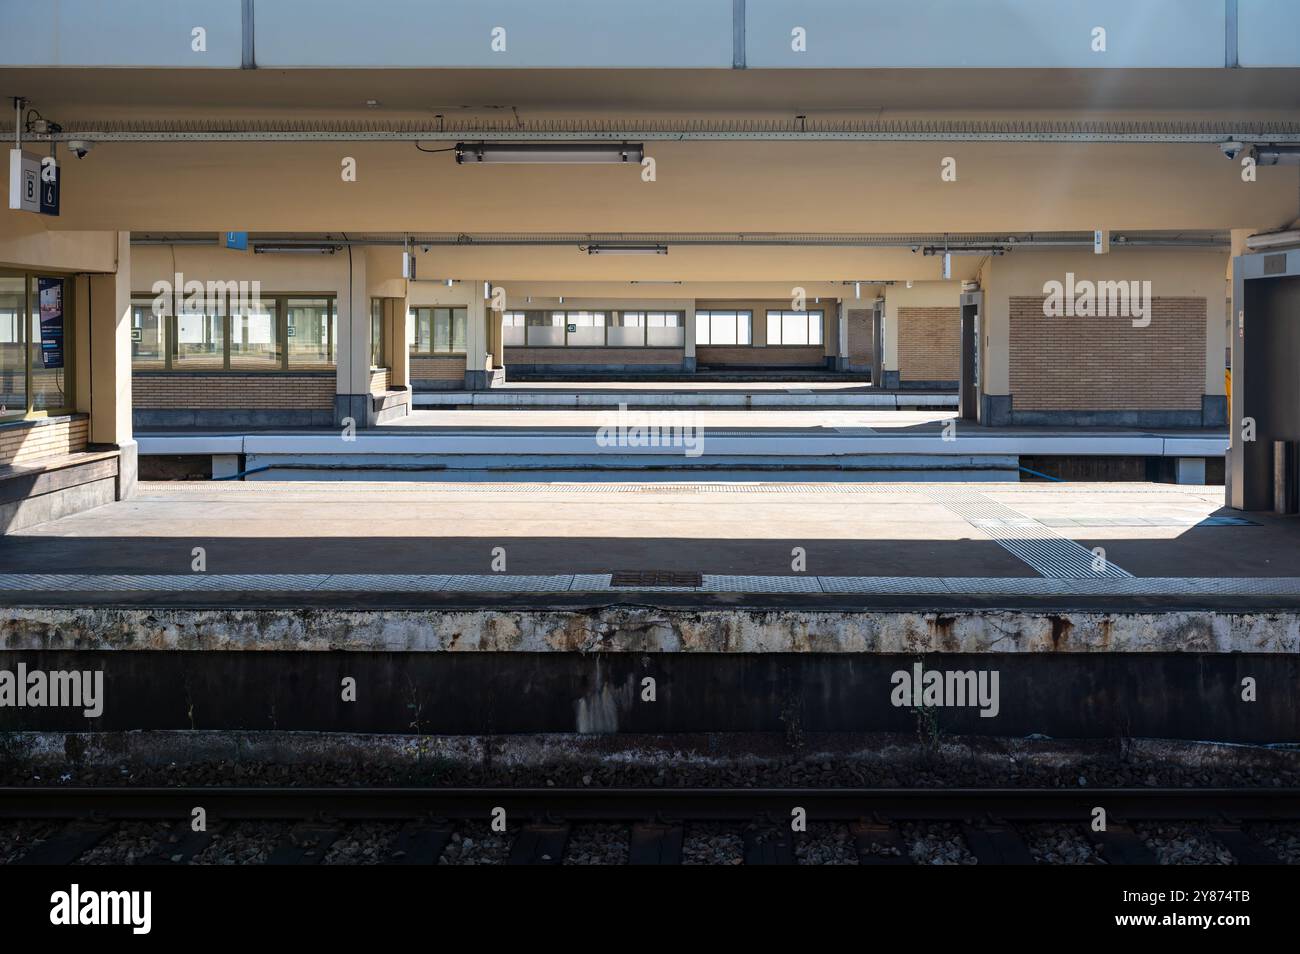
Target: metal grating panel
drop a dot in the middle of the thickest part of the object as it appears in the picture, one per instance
(1050, 554)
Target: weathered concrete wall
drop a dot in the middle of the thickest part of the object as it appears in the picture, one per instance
(649, 629)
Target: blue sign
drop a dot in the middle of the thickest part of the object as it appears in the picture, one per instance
(237, 240)
(50, 294)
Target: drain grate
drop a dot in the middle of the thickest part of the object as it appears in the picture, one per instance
(656, 578)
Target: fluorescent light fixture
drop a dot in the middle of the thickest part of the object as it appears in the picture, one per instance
(561, 299)
(909, 283)
(295, 249)
(627, 249)
(857, 289)
(550, 152)
(450, 282)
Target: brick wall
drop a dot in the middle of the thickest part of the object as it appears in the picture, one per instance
(1104, 364)
(812, 356)
(450, 368)
(27, 441)
(226, 390)
(929, 344)
(860, 339)
(593, 356)
(379, 381)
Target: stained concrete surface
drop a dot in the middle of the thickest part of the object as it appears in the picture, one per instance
(871, 530)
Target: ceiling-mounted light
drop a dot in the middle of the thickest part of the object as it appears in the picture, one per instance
(449, 282)
(550, 152)
(857, 289)
(909, 283)
(627, 249)
(561, 299)
(295, 249)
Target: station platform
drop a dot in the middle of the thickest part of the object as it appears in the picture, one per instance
(763, 607)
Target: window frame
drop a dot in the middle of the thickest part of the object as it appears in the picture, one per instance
(414, 316)
(31, 295)
(708, 313)
(807, 315)
(279, 299)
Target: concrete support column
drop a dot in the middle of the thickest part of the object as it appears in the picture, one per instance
(842, 348)
(352, 350)
(108, 387)
(478, 353)
(397, 350)
(496, 338)
(688, 339)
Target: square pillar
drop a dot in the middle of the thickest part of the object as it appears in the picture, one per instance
(352, 350)
(107, 391)
(478, 354)
(688, 339)
(842, 349)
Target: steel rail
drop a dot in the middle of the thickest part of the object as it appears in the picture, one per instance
(586, 804)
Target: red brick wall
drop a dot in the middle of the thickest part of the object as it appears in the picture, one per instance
(223, 389)
(860, 339)
(813, 356)
(929, 344)
(24, 442)
(450, 368)
(1105, 363)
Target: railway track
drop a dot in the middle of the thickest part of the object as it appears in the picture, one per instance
(540, 821)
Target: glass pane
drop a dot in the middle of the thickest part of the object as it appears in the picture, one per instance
(586, 329)
(668, 334)
(13, 357)
(147, 334)
(310, 328)
(199, 342)
(545, 330)
(701, 327)
(254, 337)
(722, 328)
(744, 320)
(815, 327)
(794, 328)
(376, 332)
(512, 329)
(459, 328)
(624, 336)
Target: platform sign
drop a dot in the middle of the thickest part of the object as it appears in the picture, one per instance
(24, 181)
(237, 241)
(49, 186)
(50, 294)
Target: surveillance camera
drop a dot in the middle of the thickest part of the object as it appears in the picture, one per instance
(80, 147)
(1234, 149)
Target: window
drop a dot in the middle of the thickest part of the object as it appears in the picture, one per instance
(254, 342)
(273, 333)
(148, 334)
(311, 332)
(584, 329)
(439, 331)
(794, 327)
(545, 329)
(657, 329)
(13, 359)
(377, 359)
(35, 355)
(512, 329)
(723, 327)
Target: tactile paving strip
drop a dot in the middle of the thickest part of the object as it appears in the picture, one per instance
(1050, 554)
(600, 583)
